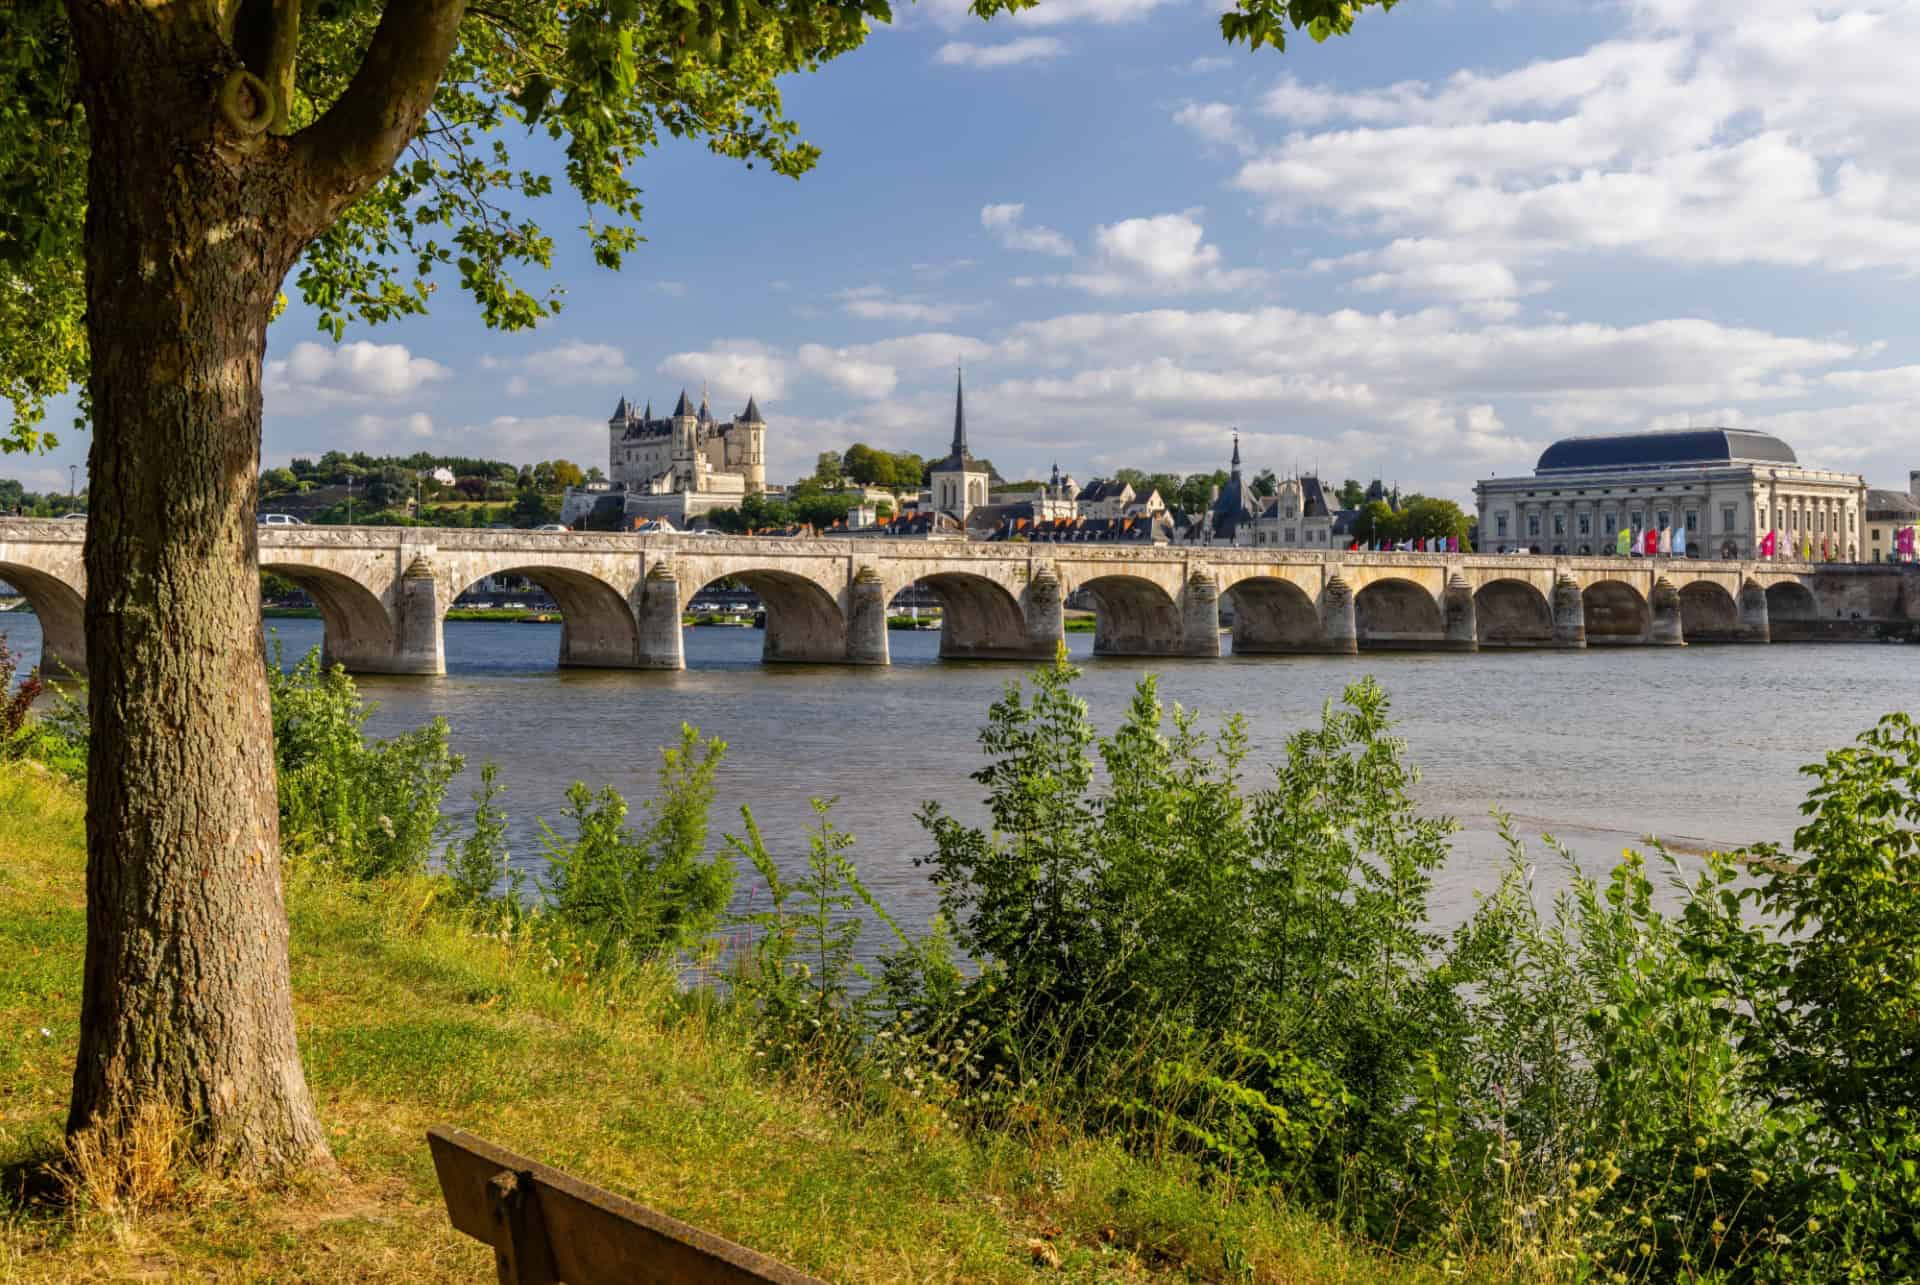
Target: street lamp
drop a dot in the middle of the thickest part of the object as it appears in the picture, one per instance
(73, 481)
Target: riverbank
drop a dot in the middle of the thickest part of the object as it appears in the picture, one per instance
(408, 1019)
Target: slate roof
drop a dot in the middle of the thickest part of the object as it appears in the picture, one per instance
(1667, 448)
(1891, 504)
(1313, 498)
(1101, 488)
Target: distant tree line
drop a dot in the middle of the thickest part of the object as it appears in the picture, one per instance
(16, 499)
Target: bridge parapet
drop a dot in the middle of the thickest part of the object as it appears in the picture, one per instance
(384, 591)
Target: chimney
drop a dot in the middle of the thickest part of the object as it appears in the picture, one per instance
(1913, 483)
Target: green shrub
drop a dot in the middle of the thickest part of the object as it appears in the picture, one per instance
(634, 894)
(800, 976)
(370, 809)
(479, 865)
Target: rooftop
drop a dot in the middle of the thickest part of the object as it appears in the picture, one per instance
(1666, 448)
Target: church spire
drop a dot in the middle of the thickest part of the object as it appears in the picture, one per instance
(1236, 452)
(959, 415)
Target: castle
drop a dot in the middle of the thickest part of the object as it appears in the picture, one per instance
(677, 467)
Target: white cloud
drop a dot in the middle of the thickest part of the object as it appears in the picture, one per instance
(538, 437)
(1205, 66)
(877, 303)
(672, 289)
(575, 362)
(1008, 53)
(388, 428)
(1216, 123)
(735, 368)
(1773, 132)
(1006, 223)
(1163, 254)
(314, 375)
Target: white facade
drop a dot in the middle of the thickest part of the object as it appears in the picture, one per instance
(1726, 489)
(1296, 516)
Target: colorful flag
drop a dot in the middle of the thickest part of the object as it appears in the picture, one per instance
(1679, 541)
(1623, 543)
(1666, 539)
(1652, 545)
(1806, 549)
(1766, 545)
(1903, 541)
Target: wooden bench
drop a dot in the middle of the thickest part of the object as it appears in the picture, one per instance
(546, 1227)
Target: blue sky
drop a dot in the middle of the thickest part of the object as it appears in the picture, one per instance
(1423, 252)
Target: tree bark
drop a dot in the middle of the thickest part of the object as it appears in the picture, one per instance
(186, 1001)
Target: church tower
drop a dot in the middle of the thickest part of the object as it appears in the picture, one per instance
(959, 481)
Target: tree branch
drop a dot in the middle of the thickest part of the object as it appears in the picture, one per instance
(266, 35)
(339, 157)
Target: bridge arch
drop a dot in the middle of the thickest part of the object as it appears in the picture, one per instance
(1274, 616)
(980, 618)
(597, 626)
(1616, 613)
(61, 610)
(1792, 613)
(1133, 616)
(1708, 613)
(804, 623)
(1391, 614)
(356, 627)
(1512, 613)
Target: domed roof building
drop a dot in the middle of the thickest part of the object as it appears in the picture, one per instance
(1722, 490)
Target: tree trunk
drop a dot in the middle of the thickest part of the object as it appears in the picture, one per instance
(186, 1002)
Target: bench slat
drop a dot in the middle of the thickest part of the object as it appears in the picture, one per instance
(594, 1237)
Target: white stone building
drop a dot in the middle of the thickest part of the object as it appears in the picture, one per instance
(1296, 516)
(677, 467)
(1726, 488)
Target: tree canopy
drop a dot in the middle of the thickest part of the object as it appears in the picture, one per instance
(593, 85)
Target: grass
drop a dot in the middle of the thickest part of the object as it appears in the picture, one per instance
(408, 1019)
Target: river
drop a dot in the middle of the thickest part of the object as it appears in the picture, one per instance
(1700, 745)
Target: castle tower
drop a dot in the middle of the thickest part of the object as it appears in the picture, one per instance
(753, 453)
(959, 481)
(686, 445)
(618, 425)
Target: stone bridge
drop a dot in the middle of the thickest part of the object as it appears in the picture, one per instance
(384, 591)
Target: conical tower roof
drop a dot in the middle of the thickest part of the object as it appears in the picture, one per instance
(751, 415)
(958, 460)
(683, 406)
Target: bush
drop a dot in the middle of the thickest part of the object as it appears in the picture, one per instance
(16, 703)
(635, 894)
(370, 809)
(1599, 1087)
(479, 866)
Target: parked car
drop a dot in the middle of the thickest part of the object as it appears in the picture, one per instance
(280, 519)
(553, 526)
(73, 517)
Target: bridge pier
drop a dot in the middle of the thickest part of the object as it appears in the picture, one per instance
(1338, 621)
(1666, 629)
(1200, 616)
(867, 619)
(1569, 613)
(657, 616)
(1043, 608)
(1462, 622)
(1754, 626)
